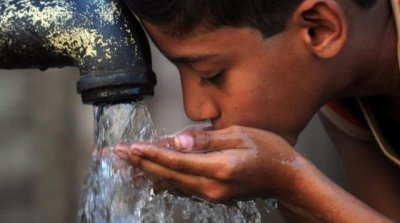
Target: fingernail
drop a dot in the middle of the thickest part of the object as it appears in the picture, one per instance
(136, 146)
(122, 154)
(184, 142)
(105, 151)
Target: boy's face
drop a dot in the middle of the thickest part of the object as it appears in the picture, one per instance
(234, 76)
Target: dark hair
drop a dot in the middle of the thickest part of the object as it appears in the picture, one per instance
(179, 17)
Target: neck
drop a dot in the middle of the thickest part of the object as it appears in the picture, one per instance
(377, 70)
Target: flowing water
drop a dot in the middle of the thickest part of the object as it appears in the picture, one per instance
(116, 192)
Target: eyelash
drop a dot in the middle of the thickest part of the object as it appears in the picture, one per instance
(206, 81)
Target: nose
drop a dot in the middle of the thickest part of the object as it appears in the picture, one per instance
(199, 104)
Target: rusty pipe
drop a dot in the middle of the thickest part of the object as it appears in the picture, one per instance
(100, 37)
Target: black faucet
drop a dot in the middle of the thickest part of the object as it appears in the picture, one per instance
(101, 37)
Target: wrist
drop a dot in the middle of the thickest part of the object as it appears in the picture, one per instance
(305, 195)
(298, 175)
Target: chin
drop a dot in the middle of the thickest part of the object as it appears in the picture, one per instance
(291, 140)
(289, 137)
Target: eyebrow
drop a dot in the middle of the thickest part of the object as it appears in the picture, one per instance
(192, 58)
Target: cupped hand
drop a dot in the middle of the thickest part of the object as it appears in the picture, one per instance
(232, 163)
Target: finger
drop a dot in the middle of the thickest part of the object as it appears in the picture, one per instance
(210, 165)
(170, 176)
(186, 182)
(203, 187)
(168, 141)
(121, 150)
(203, 141)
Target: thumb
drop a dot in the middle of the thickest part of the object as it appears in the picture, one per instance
(205, 141)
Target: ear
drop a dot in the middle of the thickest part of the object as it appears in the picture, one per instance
(323, 26)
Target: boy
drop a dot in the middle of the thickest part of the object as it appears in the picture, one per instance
(259, 70)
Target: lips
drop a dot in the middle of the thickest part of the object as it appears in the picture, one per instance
(217, 124)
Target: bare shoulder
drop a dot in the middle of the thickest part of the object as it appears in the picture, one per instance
(372, 177)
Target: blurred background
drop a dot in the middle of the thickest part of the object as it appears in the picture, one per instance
(46, 140)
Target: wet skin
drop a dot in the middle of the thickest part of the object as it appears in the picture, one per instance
(250, 85)
(259, 93)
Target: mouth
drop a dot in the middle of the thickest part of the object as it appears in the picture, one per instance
(216, 125)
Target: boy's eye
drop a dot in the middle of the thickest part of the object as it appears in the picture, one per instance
(205, 81)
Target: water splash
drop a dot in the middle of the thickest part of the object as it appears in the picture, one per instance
(116, 192)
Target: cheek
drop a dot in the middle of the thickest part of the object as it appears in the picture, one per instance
(268, 104)
(263, 113)
(246, 108)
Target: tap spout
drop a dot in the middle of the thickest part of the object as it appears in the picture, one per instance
(100, 37)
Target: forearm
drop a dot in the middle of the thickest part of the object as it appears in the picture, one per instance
(317, 199)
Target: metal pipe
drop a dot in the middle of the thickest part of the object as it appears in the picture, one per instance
(101, 37)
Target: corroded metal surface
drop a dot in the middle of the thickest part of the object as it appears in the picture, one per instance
(101, 37)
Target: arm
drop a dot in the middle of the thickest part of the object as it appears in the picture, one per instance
(245, 162)
(317, 199)
(372, 177)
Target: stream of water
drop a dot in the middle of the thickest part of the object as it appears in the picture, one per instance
(116, 192)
